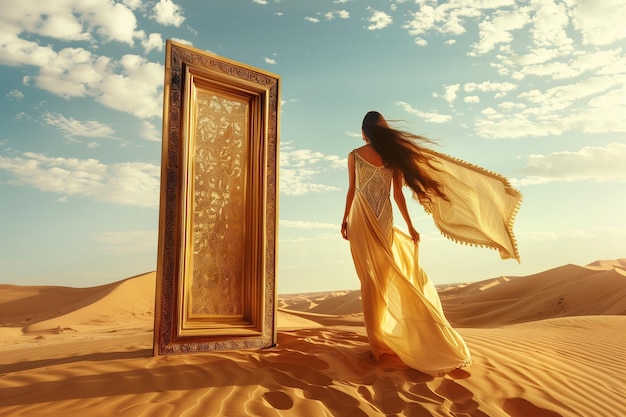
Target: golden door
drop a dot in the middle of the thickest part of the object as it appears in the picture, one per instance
(216, 264)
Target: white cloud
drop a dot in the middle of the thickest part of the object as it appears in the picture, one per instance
(447, 18)
(453, 24)
(154, 41)
(183, 41)
(534, 57)
(23, 116)
(471, 99)
(589, 233)
(601, 22)
(429, 117)
(130, 183)
(515, 126)
(422, 20)
(489, 86)
(341, 14)
(262, 2)
(574, 87)
(549, 25)
(312, 19)
(299, 224)
(531, 122)
(571, 92)
(592, 105)
(70, 20)
(133, 4)
(300, 167)
(128, 241)
(15, 51)
(168, 13)
(134, 86)
(291, 100)
(270, 61)
(450, 93)
(591, 163)
(15, 95)
(498, 29)
(509, 105)
(150, 132)
(71, 72)
(501, 89)
(555, 70)
(116, 22)
(607, 62)
(379, 20)
(73, 128)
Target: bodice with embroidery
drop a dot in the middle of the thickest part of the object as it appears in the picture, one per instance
(374, 183)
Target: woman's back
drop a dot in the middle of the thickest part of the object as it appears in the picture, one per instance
(370, 155)
(373, 182)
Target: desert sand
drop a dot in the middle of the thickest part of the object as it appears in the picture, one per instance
(546, 345)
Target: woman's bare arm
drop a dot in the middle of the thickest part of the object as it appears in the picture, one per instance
(349, 196)
(398, 196)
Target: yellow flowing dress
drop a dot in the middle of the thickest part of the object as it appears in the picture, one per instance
(402, 310)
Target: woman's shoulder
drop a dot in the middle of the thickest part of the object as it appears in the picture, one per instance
(360, 148)
(365, 150)
(369, 154)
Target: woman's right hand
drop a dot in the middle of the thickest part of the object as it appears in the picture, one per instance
(344, 230)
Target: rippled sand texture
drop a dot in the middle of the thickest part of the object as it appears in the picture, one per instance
(546, 345)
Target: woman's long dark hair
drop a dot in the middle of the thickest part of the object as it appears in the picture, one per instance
(401, 150)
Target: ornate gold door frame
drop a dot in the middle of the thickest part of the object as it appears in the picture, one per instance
(216, 285)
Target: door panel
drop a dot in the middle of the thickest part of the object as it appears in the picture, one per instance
(217, 223)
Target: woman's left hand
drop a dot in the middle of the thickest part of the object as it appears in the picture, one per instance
(344, 230)
(415, 236)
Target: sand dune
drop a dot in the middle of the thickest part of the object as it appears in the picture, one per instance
(545, 345)
(46, 308)
(568, 290)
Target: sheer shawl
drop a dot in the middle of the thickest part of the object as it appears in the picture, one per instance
(482, 204)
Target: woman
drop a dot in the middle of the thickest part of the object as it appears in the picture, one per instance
(402, 311)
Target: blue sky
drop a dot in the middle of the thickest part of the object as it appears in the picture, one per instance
(534, 90)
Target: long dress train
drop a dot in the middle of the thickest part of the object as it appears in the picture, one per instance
(401, 307)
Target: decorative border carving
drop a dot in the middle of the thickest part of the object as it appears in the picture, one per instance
(179, 58)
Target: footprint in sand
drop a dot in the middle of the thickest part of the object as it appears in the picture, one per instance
(278, 400)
